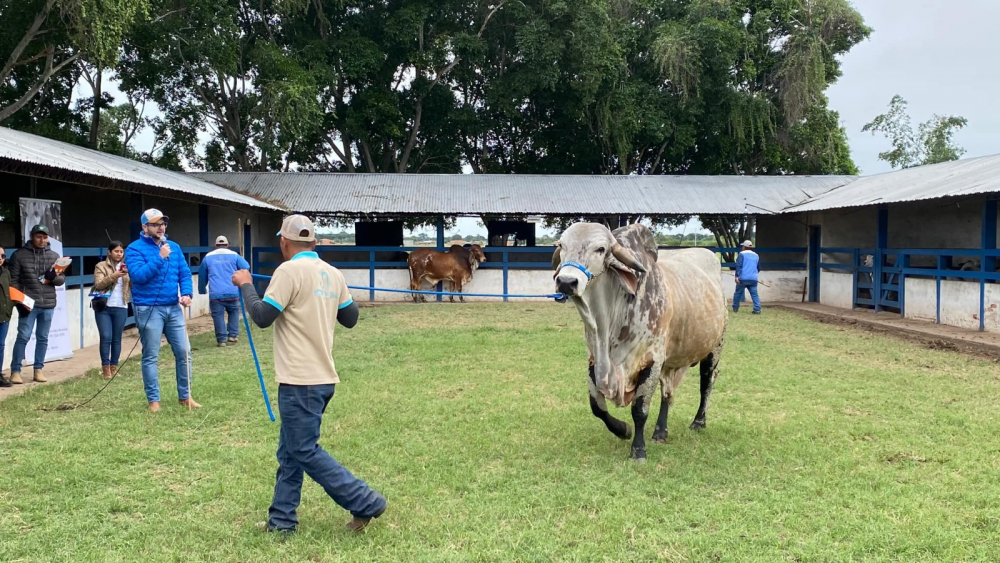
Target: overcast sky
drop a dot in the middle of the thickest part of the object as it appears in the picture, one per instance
(941, 56)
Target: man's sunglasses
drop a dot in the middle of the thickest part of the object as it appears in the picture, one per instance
(157, 225)
(3, 256)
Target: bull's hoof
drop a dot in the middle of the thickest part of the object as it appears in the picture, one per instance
(660, 436)
(698, 425)
(628, 433)
(638, 455)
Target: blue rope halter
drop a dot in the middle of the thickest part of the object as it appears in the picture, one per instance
(578, 266)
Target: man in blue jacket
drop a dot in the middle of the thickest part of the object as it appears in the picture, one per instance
(216, 271)
(747, 271)
(161, 287)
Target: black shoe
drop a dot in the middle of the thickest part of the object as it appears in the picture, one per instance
(756, 313)
(283, 532)
(4, 382)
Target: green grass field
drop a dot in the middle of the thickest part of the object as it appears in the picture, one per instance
(822, 445)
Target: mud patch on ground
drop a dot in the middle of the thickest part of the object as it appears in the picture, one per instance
(932, 342)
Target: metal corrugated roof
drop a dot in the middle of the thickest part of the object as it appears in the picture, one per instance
(956, 178)
(33, 149)
(457, 194)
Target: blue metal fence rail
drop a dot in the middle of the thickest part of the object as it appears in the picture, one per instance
(508, 259)
(892, 266)
(79, 278)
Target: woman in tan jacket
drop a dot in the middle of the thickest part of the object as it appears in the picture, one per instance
(112, 293)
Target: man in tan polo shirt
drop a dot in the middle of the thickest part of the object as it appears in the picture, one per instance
(304, 301)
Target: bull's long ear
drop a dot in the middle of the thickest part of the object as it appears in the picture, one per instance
(628, 278)
(557, 256)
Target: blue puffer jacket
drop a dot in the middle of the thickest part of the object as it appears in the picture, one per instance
(155, 280)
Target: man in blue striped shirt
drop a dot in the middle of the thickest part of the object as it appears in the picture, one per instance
(747, 272)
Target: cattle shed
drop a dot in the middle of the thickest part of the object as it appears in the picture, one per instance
(102, 196)
(919, 242)
(382, 203)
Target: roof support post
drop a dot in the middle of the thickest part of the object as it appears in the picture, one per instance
(987, 263)
(881, 242)
(440, 245)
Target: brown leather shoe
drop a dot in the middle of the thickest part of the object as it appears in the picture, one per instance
(15, 378)
(359, 524)
(154, 406)
(106, 372)
(189, 403)
(112, 370)
(39, 376)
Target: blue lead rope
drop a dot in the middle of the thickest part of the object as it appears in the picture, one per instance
(556, 296)
(260, 374)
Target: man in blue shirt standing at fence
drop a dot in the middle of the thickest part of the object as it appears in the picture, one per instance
(161, 288)
(747, 272)
(216, 272)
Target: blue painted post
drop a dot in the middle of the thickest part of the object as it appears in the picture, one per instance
(987, 263)
(904, 263)
(881, 243)
(505, 271)
(854, 282)
(937, 277)
(371, 274)
(814, 257)
(440, 245)
(82, 284)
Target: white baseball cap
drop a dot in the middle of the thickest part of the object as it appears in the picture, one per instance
(298, 228)
(747, 243)
(221, 240)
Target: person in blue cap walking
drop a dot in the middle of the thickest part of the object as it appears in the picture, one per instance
(747, 273)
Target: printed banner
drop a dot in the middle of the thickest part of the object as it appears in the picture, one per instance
(48, 213)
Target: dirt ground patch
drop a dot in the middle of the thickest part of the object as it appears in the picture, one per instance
(926, 339)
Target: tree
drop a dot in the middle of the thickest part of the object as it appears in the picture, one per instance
(931, 144)
(41, 39)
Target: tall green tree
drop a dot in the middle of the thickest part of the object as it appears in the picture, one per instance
(932, 142)
(40, 40)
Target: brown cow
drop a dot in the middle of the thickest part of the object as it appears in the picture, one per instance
(455, 265)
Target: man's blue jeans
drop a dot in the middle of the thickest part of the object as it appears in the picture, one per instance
(301, 408)
(153, 322)
(110, 324)
(738, 296)
(41, 321)
(220, 308)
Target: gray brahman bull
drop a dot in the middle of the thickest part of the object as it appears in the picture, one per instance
(642, 317)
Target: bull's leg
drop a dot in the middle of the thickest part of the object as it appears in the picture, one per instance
(709, 371)
(599, 406)
(640, 412)
(458, 289)
(660, 432)
(414, 286)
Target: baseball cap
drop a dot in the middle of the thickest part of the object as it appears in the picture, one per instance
(152, 216)
(221, 240)
(39, 229)
(298, 228)
(747, 243)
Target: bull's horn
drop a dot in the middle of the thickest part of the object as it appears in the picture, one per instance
(626, 257)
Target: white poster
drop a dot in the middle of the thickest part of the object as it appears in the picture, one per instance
(48, 213)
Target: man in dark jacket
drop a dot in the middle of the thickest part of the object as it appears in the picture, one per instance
(32, 272)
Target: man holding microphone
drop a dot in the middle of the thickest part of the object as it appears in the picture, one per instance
(161, 280)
